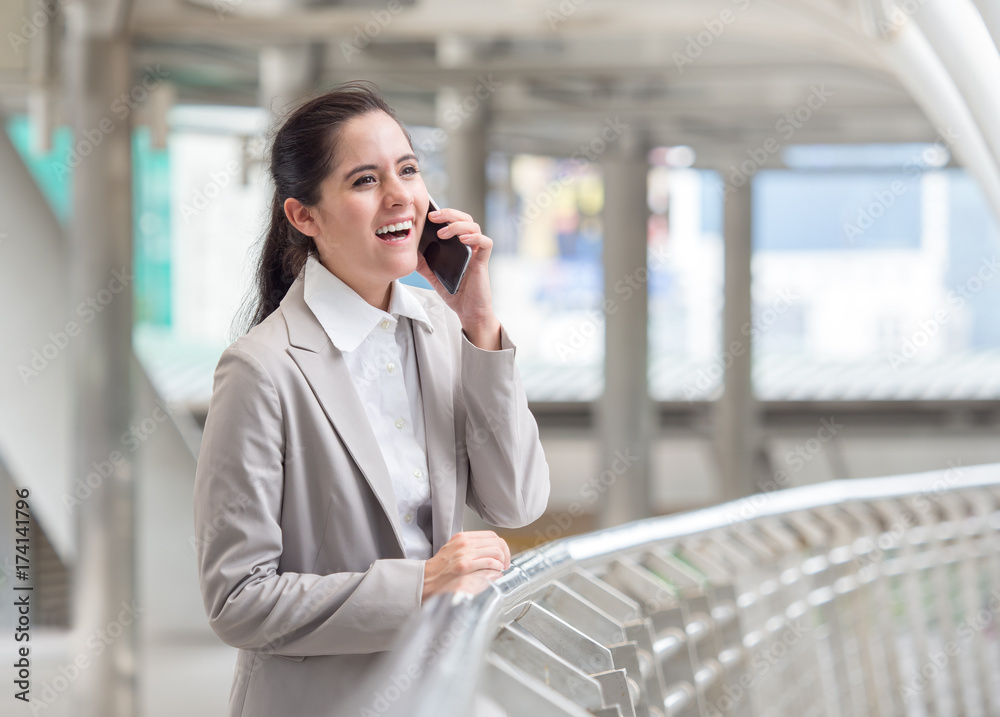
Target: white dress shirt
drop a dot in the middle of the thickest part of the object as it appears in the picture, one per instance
(378, 349)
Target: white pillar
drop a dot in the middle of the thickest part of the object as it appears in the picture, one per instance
(959, 36)
(735, 416)
(911, 57)
(98, 71)
(287, 75)
(625, 418)
(465, 116)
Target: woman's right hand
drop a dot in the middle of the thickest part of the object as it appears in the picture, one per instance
(476, 553)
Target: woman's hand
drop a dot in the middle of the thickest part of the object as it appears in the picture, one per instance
(464, 560)
(473, 302)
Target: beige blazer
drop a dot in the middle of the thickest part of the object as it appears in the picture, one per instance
(297, 536)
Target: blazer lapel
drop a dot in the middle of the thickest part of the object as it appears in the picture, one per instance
(434, 360)
(325, 370)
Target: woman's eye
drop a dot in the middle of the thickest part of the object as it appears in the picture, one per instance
(367, 179)
(409, 169)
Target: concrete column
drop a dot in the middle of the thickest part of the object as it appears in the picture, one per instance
(42, 96)
(625, 417)
(735, 414)
(98, 73)
(464, 116)
(287, 75)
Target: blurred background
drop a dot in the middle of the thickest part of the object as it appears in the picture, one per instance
(741, 245)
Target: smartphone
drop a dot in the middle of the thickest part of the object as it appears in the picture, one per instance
(447, 258)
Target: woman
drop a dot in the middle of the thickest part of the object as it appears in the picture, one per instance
(354, 421)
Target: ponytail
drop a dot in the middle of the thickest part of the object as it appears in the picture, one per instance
(284, 253)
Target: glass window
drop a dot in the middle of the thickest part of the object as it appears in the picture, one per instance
(546, 273)
(685, 287)
(874, 284)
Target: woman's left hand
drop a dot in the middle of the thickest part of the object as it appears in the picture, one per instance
(473, 302)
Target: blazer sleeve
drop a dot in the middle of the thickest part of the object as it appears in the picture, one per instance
(250, 603)
(508, 474)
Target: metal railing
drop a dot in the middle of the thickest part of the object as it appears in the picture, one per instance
(861, 597)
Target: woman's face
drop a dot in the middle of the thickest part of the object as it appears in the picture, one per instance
(375, 183)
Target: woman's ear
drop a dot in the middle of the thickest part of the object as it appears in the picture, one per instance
(300, 217)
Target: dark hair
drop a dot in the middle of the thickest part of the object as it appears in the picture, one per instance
(302, 154)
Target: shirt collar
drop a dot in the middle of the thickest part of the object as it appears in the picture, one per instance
(344, 315)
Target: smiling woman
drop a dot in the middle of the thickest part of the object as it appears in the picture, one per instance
(375, 187)
(354, 421)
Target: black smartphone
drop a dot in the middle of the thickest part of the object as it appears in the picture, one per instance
(447, 258)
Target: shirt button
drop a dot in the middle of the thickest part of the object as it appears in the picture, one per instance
(408, 518)
(385, 323)
(390, 367)
(417, 472)
(400, 423)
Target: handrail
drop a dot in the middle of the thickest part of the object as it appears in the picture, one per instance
(437, 665)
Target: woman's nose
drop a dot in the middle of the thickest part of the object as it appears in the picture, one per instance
(397, 193)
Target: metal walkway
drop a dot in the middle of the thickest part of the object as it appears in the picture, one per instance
(864, 597)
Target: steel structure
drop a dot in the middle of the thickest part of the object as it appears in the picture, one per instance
(863, 597)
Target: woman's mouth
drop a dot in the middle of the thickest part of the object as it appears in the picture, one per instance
(398, 232)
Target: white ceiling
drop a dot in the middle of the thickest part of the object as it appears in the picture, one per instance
(563, 66)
